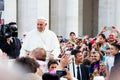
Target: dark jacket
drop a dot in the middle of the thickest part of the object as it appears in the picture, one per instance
(85, 73)
(115, 70)
(12, 49)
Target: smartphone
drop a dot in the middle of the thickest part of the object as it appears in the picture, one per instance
(109, 28)
(61, 73)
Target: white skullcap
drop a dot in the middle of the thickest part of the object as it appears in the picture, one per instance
(43, 18)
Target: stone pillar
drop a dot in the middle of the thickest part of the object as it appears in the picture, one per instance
(43, 9)
(71, 16)
(90, 17)
(10, 11)
(27, 16)
(117, 13)
(58, 16)
(109, 13)
(80, 17)
(106, 13)
(64, 17)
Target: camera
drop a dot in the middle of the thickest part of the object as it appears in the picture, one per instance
(7, 31)
(61, 73)
(109, 28)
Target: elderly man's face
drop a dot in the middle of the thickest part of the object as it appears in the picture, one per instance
(95, 57)
(111, 37)
(41, 24)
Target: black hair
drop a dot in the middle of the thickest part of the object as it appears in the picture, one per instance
(72, 33)
(52, 61)
(12, 23)
(102, 36)
(116, 45)
(75, 52)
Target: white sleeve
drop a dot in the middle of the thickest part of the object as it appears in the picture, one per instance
(22, 53)
(56, 46)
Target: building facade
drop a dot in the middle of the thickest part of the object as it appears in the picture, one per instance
(64, 16)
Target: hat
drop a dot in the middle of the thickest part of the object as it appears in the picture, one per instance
(63, 40)
(92, 41)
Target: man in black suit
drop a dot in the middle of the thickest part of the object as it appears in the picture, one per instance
(115, 70)
(79, 70)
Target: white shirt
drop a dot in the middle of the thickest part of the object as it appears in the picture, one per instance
(79, 71)
(74, 71)
(46, 39)
(110, 62)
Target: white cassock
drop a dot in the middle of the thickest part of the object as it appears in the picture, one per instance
(46, 39)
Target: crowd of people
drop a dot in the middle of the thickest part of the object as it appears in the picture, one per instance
(44, 56)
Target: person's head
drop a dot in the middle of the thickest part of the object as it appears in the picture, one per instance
(52, 65)
(78, 55)
(63, 42)
(48, 76)
(13, 29)
(102, 66)
(111, 37)
(108, 52)
(41, 24)
(27, 64)
(102, 38)
(59, 38)
(38, 54)
(86, 62)
(114, 48)
(95, 56)
(12, 24)
(72, 35)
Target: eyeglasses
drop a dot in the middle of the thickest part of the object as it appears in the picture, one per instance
(93, 56)
(107, 53)
(101, 65)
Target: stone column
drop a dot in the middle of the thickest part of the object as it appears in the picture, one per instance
(72, 16)
(10, 11)
(43, 9)
(64, 17)
(106, 13)
(80, 17)
(58, 16)
(27, 16)
(117, 13)
(109, 13)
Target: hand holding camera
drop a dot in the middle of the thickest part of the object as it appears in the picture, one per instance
(115, 29)
(111, 28)
(64, 73)
(61, 73)
(104, 29)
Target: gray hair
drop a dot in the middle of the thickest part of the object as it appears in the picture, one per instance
(95, 52)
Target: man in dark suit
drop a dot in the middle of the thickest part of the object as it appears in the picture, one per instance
(115, 70)
(79, 70)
